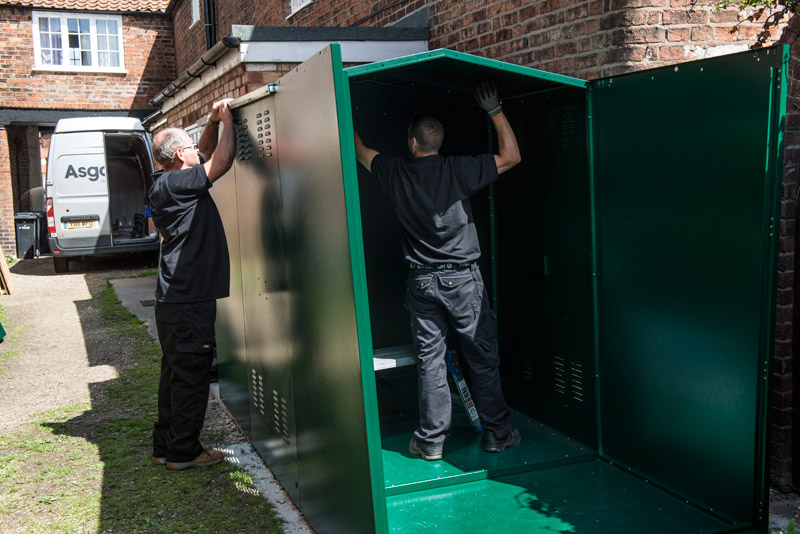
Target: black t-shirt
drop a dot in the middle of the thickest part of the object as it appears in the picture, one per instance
(431, 198)
(194, 253)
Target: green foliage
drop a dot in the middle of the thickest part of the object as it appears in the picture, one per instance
(790, 529)
(775, 10)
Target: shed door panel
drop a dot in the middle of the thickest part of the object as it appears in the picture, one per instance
(684, 195)
(332, 454)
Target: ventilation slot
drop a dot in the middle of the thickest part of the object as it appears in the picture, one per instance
(257, 389)
(280, 416)
(560, 127)
(568, 379)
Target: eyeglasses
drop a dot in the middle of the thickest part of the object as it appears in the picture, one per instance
(194, 146)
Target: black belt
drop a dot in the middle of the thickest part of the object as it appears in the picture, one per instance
(440, 266)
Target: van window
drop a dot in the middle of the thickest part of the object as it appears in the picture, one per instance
(129, 178)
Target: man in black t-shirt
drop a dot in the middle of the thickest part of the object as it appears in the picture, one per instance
(431, 196)
(193, 272)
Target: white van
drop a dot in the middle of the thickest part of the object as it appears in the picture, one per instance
(98, 173)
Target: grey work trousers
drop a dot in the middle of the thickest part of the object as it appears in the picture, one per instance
(437, 299)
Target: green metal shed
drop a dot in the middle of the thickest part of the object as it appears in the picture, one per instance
(632, 256)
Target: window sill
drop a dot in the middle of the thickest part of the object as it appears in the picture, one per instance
(81, 70)
(299, 9)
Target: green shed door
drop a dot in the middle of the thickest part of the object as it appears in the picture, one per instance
(686, 177)
(335, 478)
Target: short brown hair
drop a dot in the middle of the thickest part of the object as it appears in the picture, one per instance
(428, 132)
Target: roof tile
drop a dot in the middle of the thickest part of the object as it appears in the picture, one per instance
(127, 6)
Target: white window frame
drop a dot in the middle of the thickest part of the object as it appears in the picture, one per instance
(93, 18)
(195, 12)
(297, 5)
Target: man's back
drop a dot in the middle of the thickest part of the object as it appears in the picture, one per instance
(431, 195)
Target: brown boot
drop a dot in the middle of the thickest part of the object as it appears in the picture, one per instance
(204, 460)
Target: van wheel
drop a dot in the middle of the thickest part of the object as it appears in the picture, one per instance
(61, 265)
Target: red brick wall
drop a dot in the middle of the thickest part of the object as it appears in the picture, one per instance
(7, 239)
(149, 52)
(233, 84)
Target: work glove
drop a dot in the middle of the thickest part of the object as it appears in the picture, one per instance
(487, 98)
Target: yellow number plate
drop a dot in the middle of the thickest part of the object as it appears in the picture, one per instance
(81, 224)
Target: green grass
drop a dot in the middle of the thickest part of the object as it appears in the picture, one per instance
(8, 351)
(86, 468)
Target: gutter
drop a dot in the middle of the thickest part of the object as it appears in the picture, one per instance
(206, 60)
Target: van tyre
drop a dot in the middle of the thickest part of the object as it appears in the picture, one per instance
(61, 265)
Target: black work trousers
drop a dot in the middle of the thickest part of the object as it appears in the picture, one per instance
(436, 300)
(186, 334)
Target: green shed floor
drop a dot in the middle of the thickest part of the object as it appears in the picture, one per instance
(547, 484)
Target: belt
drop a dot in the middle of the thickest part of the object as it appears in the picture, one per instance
(440, 266)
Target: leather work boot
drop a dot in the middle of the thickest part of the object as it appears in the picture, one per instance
(492, 444)
(428, 452)
(204, 460)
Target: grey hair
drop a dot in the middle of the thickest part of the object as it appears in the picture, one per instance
(165, 144)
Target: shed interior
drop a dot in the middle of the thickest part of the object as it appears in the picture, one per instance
(536, 229)
(639, 381)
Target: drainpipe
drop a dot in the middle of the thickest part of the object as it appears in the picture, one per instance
(211, 23)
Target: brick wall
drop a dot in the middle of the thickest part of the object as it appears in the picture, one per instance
(233, 84)
(7, 239)
(149, 51)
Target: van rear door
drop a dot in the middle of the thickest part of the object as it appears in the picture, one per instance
(80, 190)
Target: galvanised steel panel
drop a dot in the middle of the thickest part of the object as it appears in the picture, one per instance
(267, 299)
(686, 183)
(231, 356)
(335, 484)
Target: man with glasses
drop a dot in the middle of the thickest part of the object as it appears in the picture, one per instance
(193, 272)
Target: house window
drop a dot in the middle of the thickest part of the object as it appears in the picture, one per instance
(195, 11)
(297, 5)
(78, 42)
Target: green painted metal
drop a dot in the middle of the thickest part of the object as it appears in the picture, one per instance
(464, 460)
(544, 264)
(772, 196)
(448, 69)
(332, 447)
(685, 251)
(583, 497)
(634, 294)
(361, 299)
(231, 344)
(266, 295)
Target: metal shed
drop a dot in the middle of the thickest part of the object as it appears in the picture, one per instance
(632, 256)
